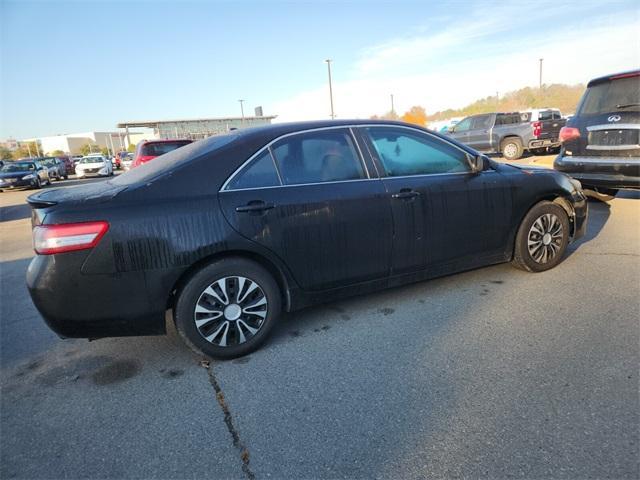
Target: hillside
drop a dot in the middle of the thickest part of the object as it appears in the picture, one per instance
(564, 97)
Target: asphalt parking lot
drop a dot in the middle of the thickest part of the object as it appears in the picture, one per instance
(490, 373)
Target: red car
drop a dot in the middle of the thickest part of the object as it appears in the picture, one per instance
(150, 149)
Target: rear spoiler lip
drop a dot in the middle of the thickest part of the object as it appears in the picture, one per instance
(35, 202)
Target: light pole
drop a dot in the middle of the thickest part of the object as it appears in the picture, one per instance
(392, 109)
(328, 60)
(540, 81)
(242, 110)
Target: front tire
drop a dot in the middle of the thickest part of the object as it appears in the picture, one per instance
(542, 238)
(511, 148)
(228, 308)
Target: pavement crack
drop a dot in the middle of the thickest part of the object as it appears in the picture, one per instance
(228, 420)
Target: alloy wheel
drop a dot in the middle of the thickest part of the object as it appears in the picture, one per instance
(545, 238)
(230, 311)
(510, 150)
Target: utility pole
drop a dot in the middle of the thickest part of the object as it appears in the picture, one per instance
(392, 108)
(242, 110)
(328, 60)
(540, 81)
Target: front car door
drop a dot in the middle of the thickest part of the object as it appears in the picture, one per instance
(446, 217)
(480, 133)
(311, 199)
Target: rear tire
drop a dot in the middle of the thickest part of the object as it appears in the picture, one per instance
(542, 238)
(227, 308)
(511, 148)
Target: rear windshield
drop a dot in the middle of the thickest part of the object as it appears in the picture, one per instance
(622, 94)
(173, 160)
(160, 148)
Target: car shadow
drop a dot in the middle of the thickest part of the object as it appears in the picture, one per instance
(599, 213)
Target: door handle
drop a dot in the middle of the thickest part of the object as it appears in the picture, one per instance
(255, 207)
(406, 194)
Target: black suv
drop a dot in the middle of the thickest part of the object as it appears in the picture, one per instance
(601, 142)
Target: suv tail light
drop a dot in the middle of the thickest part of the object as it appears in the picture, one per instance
(69, 237)
(568, 134)
(537, 128)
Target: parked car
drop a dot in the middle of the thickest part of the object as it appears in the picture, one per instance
(601, 142)
(507, 133)
(57, 168)
(127, 160)
(147, 150)
(291, 215)
(94, 165)
(68, 164)
(24, 173)
(119, 158)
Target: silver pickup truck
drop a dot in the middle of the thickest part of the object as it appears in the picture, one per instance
(507, 133)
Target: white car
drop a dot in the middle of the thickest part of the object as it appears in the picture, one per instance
(94, 165)
(126, 161)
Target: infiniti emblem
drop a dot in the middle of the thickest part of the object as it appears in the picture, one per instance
(614, 118)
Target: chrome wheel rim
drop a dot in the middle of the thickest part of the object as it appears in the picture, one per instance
(230, 311)
(545, 238)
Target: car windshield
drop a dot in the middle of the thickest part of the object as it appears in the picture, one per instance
(91, 160)
(174, 159)
(17, 167)
(610, 96)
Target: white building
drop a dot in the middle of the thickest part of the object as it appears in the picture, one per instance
(71, 143)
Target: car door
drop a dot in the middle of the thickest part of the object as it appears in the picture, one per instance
(461, 130)
(480, 133)
(311, 200)
(444, 213)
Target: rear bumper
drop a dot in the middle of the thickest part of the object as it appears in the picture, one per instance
(606, 172)
(542, 143)
(91, 306)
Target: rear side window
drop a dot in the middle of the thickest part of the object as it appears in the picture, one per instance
(261, 172)
(316, 157)
(404, 153)
(157, 149)
(545, 115)
(622, 94)
(508, 119)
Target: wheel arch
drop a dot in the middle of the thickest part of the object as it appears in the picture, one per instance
(556, 198)
(507, 137)
(275, 271)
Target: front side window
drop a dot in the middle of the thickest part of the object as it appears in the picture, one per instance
(403, 152)
(316, 157)
(261, 172)
(464, 125)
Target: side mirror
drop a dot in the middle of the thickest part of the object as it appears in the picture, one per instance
(451, 129)
(477, 163)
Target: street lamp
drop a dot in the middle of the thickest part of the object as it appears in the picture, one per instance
(540, 81)
(242, 109)
(328, 60)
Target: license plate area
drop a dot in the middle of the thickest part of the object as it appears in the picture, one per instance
(617, 139)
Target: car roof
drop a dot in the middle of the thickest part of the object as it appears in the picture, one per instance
(612, 76)
(166, 140)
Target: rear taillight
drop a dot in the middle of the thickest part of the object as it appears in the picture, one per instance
(51, 239)
(568, 133)
(537, 128)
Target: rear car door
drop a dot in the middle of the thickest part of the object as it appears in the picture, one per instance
(310, 199)
(444, 214)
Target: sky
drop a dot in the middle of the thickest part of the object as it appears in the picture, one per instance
(85, 66)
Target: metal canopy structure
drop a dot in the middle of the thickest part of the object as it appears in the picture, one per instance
(197, 128)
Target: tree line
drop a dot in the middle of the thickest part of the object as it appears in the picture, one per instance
(557, 95)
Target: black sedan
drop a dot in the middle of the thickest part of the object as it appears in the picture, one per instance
(230, 231)
(23, 173)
